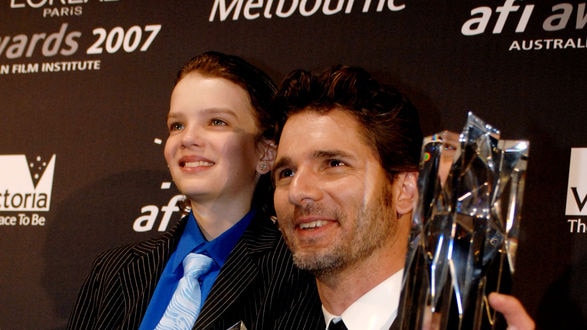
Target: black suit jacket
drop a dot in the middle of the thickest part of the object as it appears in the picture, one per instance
(258, 285)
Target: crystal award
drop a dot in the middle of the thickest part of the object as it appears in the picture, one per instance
(465, 228)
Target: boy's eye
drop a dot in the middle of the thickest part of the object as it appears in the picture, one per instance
(175, 127)
(217, 122)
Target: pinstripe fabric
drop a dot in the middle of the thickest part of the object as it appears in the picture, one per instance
(394, 325)
(257, 285)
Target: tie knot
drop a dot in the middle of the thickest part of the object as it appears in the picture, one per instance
(195, 264)
(339, 325)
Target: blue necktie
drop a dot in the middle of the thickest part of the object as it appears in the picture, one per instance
(184, 307)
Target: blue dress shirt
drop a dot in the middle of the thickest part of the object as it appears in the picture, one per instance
(192, 240)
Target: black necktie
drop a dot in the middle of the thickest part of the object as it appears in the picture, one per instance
(337, 326)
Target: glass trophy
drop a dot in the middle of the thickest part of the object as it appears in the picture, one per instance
(465, 228)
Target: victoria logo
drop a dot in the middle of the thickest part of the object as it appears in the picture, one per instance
(26, 183)
(577, 187)
(576, 210)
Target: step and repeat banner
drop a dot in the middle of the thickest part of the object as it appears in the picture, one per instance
(84, 91)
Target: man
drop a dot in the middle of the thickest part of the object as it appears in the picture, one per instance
(345, 185)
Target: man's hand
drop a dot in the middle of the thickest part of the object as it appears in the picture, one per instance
(512, 310)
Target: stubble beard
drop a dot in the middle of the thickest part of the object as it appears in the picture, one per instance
(374, 226)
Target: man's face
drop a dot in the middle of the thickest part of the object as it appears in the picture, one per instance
(333, 199)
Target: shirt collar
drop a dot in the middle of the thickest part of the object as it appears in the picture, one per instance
(192, 240)
(376, 309)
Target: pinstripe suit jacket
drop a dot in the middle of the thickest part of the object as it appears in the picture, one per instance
(258, 285)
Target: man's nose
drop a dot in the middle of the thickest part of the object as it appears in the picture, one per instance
(305, 187)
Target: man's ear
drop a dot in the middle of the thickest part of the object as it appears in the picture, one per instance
(408, 194)
(267, 152)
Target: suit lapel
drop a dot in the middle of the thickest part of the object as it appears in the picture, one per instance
(239, 271)
(143, 271)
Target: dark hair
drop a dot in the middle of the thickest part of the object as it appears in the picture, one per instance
(390, 123)
(257, 83)
(260, 89)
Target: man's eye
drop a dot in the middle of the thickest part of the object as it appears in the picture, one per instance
(218, 122)
(285, 173)
(175, 127)
(335, 163)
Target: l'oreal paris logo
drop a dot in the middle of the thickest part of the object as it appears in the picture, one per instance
(55, 8)
(49, 3)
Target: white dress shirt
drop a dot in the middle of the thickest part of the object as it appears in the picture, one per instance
(375, 310)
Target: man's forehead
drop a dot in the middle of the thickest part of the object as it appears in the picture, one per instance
(309, 119)
(318, 128)
(322, 134)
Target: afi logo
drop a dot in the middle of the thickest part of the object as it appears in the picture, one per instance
(564, 15)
